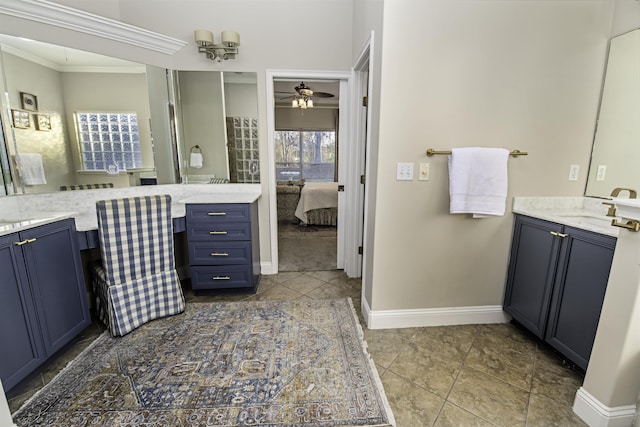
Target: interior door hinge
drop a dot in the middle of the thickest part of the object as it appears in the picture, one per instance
(362, 179)
(340, 187)
(360, 250)
(365, 101)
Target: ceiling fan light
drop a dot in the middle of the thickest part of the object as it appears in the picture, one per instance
(294, 103)
(310, 103)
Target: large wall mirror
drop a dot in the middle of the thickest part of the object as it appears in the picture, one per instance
(616, 148)
(72, 117)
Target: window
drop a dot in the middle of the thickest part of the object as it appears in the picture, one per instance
(308, 155)
(107, 139)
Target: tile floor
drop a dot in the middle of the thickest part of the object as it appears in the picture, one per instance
(472, 375)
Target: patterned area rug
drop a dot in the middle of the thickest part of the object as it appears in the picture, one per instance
(265, 363)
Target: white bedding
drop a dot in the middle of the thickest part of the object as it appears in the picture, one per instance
(316, 195)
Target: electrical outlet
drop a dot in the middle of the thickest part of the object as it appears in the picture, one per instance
(574, 171)
(404, 172)
(602, 171)
(423, 175)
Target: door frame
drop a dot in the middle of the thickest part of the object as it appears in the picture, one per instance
(343, 138)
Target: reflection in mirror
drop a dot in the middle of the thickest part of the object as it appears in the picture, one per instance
(82, 116)
(616, 149)
(217, 126)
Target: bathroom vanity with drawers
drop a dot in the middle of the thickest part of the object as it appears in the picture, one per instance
(223, 245)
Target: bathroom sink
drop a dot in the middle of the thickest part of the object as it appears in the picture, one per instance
(587, 219)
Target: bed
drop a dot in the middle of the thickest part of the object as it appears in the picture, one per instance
(318, 204)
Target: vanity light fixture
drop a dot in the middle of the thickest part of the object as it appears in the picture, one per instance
(228, 49)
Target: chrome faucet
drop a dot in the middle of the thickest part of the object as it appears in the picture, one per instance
(632, 193)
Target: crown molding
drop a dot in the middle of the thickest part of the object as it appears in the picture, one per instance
(58, 15)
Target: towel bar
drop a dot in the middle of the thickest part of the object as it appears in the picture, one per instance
(514, 153)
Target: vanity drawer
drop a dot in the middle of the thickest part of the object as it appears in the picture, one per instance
(218, 231)
(219, 212)
(222, 253)
(221, 277)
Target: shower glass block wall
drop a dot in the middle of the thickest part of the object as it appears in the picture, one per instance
(244, 161)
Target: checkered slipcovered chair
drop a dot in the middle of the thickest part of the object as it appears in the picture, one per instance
(136, 280)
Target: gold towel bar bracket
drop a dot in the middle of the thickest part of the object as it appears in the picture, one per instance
(514, 153)
(631, 225)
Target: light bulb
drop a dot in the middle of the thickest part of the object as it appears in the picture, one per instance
(294, 103)
(310, 103)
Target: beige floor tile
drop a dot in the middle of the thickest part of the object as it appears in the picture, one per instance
(330, 291)
(325, 275)
(490, 398)
(452, 416)
(449, 342)
(505, 337)
(426, 370)
(353, 285)
(412, 406)
(304, 284)
(510, 366)
(384, 345)
(545, 412)
(553, 380)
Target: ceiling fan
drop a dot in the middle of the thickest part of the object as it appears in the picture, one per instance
(303, 90)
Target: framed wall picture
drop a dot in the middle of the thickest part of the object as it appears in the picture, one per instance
(42, 121)
(20, 119)
(29, 102)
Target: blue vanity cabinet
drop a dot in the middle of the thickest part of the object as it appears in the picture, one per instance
(556, 283)
(223, 246)
(20, 346)
(44, 283)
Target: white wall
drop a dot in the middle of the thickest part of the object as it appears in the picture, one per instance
(517, 74)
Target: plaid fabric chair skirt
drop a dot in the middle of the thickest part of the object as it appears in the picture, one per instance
(136, 280)
(142, 300)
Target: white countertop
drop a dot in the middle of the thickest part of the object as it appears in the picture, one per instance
(31, 210)
(585, 213)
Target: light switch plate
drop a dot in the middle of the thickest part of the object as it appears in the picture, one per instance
(423, 175)
(602, 172)
(404, 172)
(574, 171)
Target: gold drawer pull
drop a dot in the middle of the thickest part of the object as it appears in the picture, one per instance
(216, 213)
(218, 232)
(25, 242)
(221, 278)
(219, 254)
(555, 233)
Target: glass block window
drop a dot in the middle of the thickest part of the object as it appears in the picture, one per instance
(244, 149)
(107, 139)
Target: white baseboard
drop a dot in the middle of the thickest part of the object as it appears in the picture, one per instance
(596, 414)
(267, 268)
(391, 319)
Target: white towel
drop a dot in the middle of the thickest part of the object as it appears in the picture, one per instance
(478, 181)
(195, 160)
(30, 168)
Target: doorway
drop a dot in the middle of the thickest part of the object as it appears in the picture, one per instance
(312, 244)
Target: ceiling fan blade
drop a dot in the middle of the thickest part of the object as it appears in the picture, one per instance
(322, 95)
